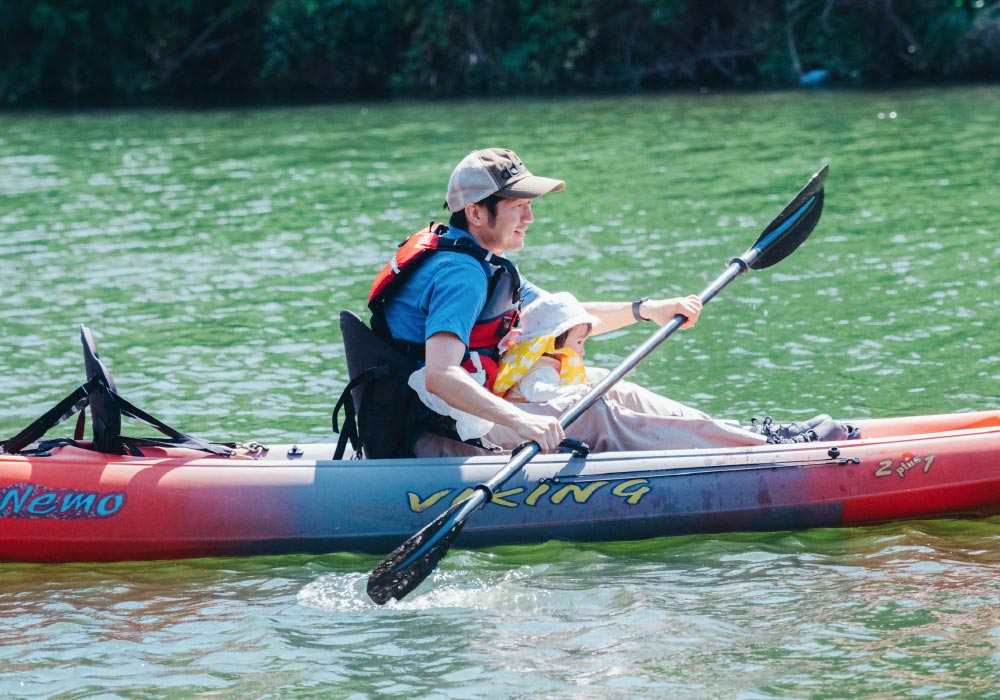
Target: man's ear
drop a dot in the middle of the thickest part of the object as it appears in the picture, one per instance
(475, 214)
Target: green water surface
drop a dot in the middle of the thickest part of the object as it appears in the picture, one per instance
(211, 252)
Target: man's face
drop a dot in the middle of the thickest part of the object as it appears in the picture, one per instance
(504, 232)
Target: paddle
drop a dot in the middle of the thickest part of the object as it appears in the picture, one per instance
(410, 563)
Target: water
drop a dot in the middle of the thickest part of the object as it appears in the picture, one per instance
(210, 252)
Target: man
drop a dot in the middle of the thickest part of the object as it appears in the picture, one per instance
(451, 297)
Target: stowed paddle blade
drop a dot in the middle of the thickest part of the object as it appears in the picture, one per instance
(410, 563)
(792, 226)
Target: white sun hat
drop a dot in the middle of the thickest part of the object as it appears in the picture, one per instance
(553, 314)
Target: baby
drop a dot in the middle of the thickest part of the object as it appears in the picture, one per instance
(543, 359)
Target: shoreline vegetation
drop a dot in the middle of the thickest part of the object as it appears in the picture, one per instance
(81, 53)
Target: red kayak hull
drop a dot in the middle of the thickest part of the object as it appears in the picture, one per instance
(75, 504)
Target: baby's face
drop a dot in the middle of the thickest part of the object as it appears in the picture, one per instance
(577, 335)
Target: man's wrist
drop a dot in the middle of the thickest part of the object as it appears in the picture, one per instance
(637, 308)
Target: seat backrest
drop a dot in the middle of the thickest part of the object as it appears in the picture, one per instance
(363, 350)
(105, 414)
(385, 426)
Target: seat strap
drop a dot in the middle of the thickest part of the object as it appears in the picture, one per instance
(352, 428)
(79, 399)
(177, 438)
(350, 431)
(73, 403)
(81, 423)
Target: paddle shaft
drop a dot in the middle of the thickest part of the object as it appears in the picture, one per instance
(484, 491)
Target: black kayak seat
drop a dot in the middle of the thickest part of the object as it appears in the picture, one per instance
(377, 402)
(107, 407)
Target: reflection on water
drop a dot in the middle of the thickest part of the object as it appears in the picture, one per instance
(212, 251)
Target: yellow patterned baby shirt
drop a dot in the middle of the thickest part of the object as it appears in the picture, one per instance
(521, 357)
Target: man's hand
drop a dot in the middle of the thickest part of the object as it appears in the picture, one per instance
(663, 310)
(616, 314)
(545, 430)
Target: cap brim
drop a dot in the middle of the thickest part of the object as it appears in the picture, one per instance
(531, 187)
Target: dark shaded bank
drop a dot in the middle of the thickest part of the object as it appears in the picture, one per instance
(99, 52)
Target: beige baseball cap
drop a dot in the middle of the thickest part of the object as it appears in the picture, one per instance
(496, 171)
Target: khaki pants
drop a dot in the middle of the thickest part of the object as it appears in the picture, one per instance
(628, 417)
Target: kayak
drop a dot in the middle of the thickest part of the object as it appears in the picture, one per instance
(69, 502)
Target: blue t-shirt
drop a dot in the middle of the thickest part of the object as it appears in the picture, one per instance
(446, 293)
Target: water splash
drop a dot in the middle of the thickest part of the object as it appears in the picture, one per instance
(459, 589)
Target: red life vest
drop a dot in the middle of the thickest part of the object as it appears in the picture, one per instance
(498, 315)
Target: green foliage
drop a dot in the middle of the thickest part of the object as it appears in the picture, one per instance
(107, 51)
(340, 46)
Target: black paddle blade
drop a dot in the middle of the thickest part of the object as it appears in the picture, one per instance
(792, 226)
(411, 562)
